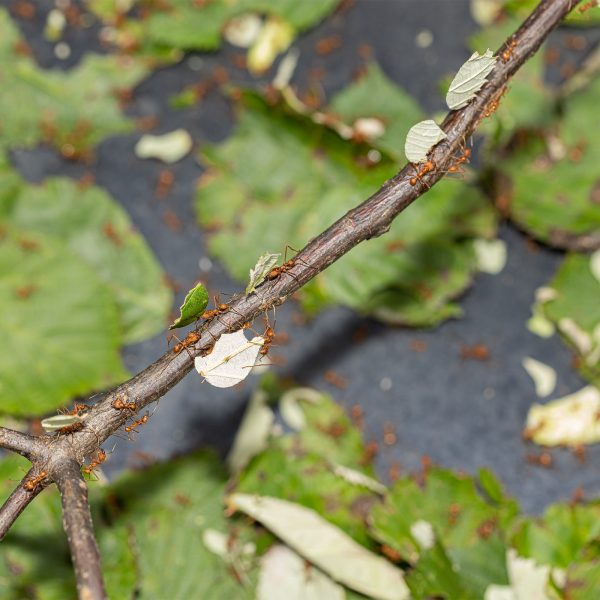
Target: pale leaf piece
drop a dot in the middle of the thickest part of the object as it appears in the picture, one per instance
(274, 37)
(420, 139)
(326, 546)
(231, 359)
(242, 31)
(59, 421)
(290, 409)
(193, 306)
(252, 436)
(595, 264)
(545, 294)
(358, 478)
(285, 575)
(539, 324)
(169, 147)
(262, 268)
(423, 532)
(491, 255)
(369, 127)
(469, 79)
(224, 546)
(580, 338)
(544, 376)
(286, 69)
(571, 420)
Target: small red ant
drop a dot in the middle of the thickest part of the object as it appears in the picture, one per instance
(31, 484)
(463, 158)
(588, 5)
(506, 54)
(119, 404)
(269, 338)
(101, 457)
(428, 167)
(131, 430)
(286, 267)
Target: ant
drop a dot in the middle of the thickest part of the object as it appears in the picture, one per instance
(427, 168)
(119, 404)
(131, 429)
(269, 338)
(506, 54)
(220, 308)
(587, 6)
(32, 484)
(463, 158)
(101, 457)
(286, 267)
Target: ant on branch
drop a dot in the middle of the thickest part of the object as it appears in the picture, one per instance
(428, 167)
(269, 338)
(119, 404)
(220, 308)
(286, 267)
(506, 54)
(101, 457)
(32, 484)
(131, 429)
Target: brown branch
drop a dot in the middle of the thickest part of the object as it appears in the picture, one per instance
(16, 503)
(23, 444)
(77, 521)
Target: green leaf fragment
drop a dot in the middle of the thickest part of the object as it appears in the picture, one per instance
(262, 268)
(470, 79)
(193, 306)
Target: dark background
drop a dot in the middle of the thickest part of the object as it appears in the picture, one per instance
(463, 413)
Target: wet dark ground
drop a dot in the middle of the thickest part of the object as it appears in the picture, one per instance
(463, 413)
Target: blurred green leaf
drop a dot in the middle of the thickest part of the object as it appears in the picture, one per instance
(375, 95)
(168, 507)
(281, 180)
(584, 580)
(193, 307)
(99, 231)
(58, 323)
(78, 108)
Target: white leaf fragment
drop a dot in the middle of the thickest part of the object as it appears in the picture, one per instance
(231, 359)
(527, 581)
(369, 127)
(595, 265)
(326, 546)
(420, 139)
(579, 338)
(275, 36)
(253, 433)
(423, 533)
(284, 575)
(544, 376)
(242, 31)
(59, 421)
(216, 542)
(261, 269)
(491, 255)
(169, 147)
(286, 69)
(358, 478)
(539, 324)
(545, 294)
(571, 420)
(469, 79)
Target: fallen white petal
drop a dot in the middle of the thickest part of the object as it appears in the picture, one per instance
(253, 433)
(543, 376)
(231, 359)
(169, 147)
(491, 255)
(571, 420)
(326, 546)
(284, 575)
(423, 533)
(242, 31)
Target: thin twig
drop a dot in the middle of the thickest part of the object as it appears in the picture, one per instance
(23, 444)
(16, 503)
(77, 521)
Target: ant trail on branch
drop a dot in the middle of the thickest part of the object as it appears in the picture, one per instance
(119, 404)
(286, 267)
(101, 457)
(269, 338)
(509, 50)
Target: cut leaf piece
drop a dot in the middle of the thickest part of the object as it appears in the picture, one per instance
(325, 546)
(51, 296)
(285, 574)
(242, 31)
(274, 38)
(231, 359)
(358, 478)
(470, 79)
(420, 139)
(99, 231)
(193, 307)
(568, 421)
(253, 433)
(543, 376)
(262, 268)
(491, 255)
(170, 147)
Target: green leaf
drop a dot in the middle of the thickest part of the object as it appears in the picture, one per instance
(272, 172)
(59, 323)
(78, 107)
(375, 95)
(261, 269)
(584, 580)
(193, 307)
(99, 231)
(578, 292)
(168, 507)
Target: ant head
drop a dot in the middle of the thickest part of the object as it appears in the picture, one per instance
(467, 152)
(83, 411)
(43, 474)
(269, 332)
(223, 306)
(413, 181)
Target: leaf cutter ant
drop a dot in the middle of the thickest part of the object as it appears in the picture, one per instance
(269, 338)
(131, 429)
(506, 54)
(101, 457)
(286, 267)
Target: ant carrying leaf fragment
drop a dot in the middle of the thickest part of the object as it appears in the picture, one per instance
(194, 305)
(420, 139)
(262, 268)
(224, 367)
(470, 79)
